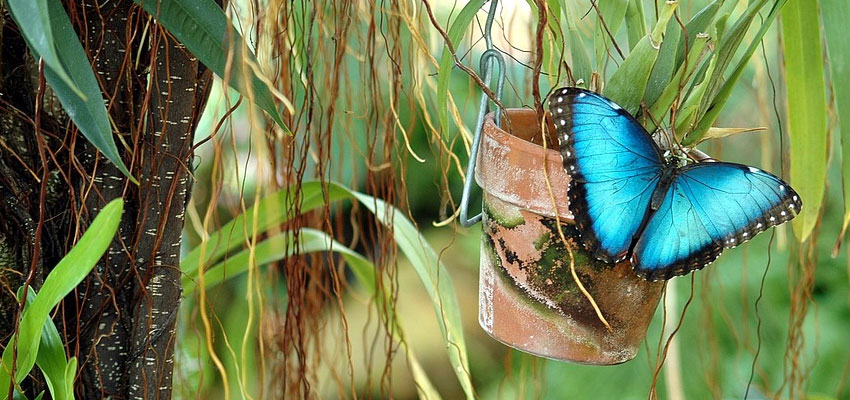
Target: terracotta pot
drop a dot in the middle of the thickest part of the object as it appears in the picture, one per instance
(528, 298)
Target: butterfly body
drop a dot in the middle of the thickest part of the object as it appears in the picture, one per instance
(633, 201)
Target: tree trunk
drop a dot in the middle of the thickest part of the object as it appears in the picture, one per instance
(120, 321)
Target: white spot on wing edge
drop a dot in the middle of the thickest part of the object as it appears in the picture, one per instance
(582, 94)
(563, 122)
(614, 105)
(753, 169)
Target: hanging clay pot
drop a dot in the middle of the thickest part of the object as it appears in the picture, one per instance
(528, 298)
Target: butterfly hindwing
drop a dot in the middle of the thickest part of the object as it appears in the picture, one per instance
(708, 207)
(614, 168)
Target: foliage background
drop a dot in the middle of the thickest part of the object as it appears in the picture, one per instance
(362, 79)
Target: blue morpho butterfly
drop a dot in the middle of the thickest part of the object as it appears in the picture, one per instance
(668, 215)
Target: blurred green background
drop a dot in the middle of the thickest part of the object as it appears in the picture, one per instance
(718, 339)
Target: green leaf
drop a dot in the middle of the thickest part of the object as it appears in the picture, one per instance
(67, 274)
(204, 29)
(436, 279)
(270, 212)
(455, 33)
(728, 46)
(711, 106)
(578, 52)
(51, 357)
(665, 99)
(628, 85)
(33, 19)
(69, 74)
(805, 96)
(635, 22)
(699, 23)
(835, 14)
(423, 258)
(665, 65)
(612, 12)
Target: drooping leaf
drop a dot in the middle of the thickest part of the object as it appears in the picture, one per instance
(64, 277)
(424, 260)
(69, 74)
(203, 28)
(806, 102)
(34, 20)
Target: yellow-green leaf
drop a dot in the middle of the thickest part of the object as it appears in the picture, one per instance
(806, 101)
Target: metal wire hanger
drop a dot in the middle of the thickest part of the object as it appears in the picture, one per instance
(488, 58)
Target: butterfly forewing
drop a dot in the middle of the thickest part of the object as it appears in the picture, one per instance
(614, 167)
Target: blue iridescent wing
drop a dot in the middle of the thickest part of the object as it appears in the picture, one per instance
(614, 166)
(708, 207)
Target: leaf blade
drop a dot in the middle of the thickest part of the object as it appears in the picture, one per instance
(67, 274)
(806, 109)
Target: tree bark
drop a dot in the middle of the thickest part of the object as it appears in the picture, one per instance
(120, 321)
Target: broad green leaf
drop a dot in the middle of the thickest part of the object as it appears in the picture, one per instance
(553, 43)
(688, 112)
(455, 33)
(578, 53)
(806, 100)
(635, 22)
(202, 27)
(628, 85)
(835, 14)
(82, 98)
(33, 19)
(67, 274)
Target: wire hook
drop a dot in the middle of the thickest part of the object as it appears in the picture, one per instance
(486, 64)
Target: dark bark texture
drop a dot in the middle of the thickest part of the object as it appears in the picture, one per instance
(120, 322)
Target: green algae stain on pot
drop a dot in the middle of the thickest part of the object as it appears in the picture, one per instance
(500, 218)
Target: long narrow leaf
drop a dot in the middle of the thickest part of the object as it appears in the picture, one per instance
(33, 18)
(806, 109)
(436, 279)
(311, 240)
(204, 29)
(578, 52)
(835, 14)
(628, 85)
(70, 271)
(73, 80)
(424, 259)
(711, 107)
